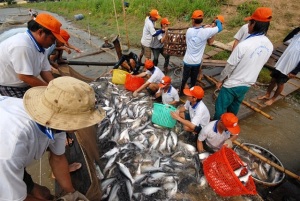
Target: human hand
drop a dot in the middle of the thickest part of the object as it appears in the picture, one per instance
(175, 115)
(290, 75)
(228, 143)
(219, 85)
(73, 197)
(135, 94)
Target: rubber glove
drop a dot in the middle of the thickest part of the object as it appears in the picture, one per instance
(73, 197)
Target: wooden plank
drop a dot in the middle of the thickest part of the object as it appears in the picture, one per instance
(222, 45)
(288, 89)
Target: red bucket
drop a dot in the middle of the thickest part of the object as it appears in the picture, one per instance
(132, 83)
(219, 172)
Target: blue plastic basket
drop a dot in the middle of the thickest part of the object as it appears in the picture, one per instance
(161, 115)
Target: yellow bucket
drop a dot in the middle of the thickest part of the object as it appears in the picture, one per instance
(119, 76)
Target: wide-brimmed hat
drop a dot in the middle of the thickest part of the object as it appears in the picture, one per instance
(125, 50)
(165, 81)
(230, 121)
(50, 23)
(65, 104)
(262, 14)
(195, 91)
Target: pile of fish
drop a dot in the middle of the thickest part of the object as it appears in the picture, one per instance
(261, 171)
(140, 160)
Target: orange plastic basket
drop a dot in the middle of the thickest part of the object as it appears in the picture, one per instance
(133, 83)
(219, 172)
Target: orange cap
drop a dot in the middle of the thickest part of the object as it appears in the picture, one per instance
(262, 14)
(164, 21)
(195, 91)
(65, 35)
(148, 64)
(230, 121)
(50, 23)
(221, 18)
(154, 13)
(197, 14)
(165, 81)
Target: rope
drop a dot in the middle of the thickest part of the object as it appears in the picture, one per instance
(116, 17)
(124, 13)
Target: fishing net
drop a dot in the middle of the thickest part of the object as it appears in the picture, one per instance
(175, 45)
(219, 172)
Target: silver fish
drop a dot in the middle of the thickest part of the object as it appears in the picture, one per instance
(125, 171)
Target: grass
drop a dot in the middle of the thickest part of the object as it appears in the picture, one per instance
(100, 16)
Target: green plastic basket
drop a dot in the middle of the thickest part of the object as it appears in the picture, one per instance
(161, 115)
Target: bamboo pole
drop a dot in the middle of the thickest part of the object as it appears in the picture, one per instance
(264, 159)
(244, 102)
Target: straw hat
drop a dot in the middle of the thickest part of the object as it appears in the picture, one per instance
(125, 50)
(65, 104)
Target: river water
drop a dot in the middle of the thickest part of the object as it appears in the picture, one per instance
(280, 135)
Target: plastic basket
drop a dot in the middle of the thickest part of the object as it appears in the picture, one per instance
(161, 115)
(119, 76)
(218, 169)
(133, 83)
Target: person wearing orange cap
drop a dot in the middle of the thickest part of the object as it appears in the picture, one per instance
(244, 64)
(148, 33)
(218, 133)
(198, 114)
(56, 52)
(168, 93)
(23, 58)
(157, 44)
(155, 76)
(196, 39)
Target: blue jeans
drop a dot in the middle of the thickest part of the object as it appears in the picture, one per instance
(189, 71)
(229, 100)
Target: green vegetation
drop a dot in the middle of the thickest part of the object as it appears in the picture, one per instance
(100, 18)
(264, 76)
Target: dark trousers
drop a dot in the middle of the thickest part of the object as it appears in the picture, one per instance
(28, 181)
(189, 71)
(156, 52)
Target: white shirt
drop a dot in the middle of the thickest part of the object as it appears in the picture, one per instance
(196, 39)
(21, 142)
(242, 33)
(169, 96)
(290, 57)
(212, 137)
(156, 43)
(19, 55)
(156, 77)
(148, 32)
(199, 113)
(248, 57)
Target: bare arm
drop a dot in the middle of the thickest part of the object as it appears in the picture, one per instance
(185, 122)
(60, 169)
(200, 147)
(211, 40)
(236, 42)
(32, 80)
(142, 87)
(47, 76)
